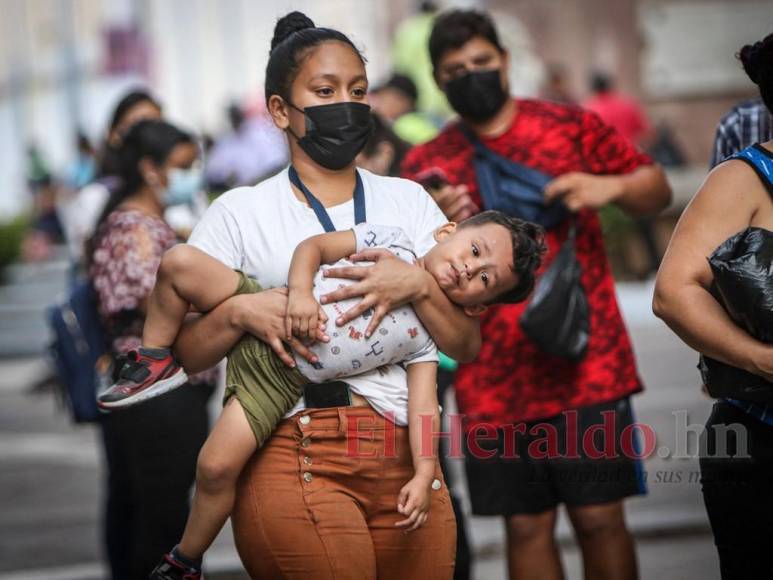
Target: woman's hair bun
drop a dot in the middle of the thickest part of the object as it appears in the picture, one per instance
(757, 57)
(288, 24)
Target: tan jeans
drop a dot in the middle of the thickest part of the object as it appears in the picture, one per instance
(319, 502)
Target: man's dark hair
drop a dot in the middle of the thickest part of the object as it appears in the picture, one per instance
(528, 249)
(456, 28)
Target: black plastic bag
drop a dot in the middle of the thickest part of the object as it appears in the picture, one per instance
(743, 285)
(557, 318)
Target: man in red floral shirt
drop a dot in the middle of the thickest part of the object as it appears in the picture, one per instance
(512, 382)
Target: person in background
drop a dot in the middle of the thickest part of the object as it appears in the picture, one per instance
(513, 382)
(384, 151)
(150, 450)
(736, 483)
(81, 210)
(252, 151)
(84, 168)
(395, 102)
(617, 110)
(411, 58)
(746, 123)
(628, 117)
(395, 98)
(45, 230)
(556, 85)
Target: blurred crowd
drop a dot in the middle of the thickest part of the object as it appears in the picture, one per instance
(408, 110)
(163, 180)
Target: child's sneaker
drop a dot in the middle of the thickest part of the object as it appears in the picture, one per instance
(147, 373)
(171, 568)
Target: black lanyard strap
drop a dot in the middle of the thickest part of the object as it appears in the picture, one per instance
(319, 209)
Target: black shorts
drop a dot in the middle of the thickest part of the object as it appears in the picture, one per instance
(532, 467)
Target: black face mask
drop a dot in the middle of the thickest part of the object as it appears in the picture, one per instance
(335, 133)
(476, 96)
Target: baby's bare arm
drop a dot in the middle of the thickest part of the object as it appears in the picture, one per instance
(311, 253)
(303, 311)
(423, 417)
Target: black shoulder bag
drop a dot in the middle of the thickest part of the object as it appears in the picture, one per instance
(557, 317)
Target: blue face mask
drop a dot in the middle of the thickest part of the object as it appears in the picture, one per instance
(183, 185)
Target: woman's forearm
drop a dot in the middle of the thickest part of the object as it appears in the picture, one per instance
(203, 341)
(455, 333)
(701, 322)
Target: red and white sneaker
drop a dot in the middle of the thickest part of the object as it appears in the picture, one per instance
(171, 568)
(147, 373)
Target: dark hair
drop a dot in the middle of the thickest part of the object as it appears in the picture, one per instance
(294, 36)
(528, 249)
(454, 29)
(402, 84)
(757, 61)
(382, 133)
(150, 139)
(109, 163)
(82, 141)
(129, 101)
(600, 82)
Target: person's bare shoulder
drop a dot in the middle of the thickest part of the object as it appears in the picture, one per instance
(734, 182)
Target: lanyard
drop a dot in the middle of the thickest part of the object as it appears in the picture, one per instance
(319, 209)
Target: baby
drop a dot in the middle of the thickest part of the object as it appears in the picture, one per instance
(489, 258)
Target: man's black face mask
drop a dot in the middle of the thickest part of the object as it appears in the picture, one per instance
(476, 96)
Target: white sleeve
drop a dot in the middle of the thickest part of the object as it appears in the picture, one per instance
(428, 353)
(428, 218)
(218, 235)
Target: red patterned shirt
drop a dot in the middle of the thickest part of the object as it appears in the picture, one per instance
(512, 379)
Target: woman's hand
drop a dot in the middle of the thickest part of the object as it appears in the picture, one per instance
(388, 283)
(413, 502)
(303, 315)
(263, 316)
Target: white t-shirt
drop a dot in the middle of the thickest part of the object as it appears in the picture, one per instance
(256, 229)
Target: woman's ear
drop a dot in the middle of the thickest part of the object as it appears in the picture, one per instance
(475, 311)
(444, 231)
(277, 108)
